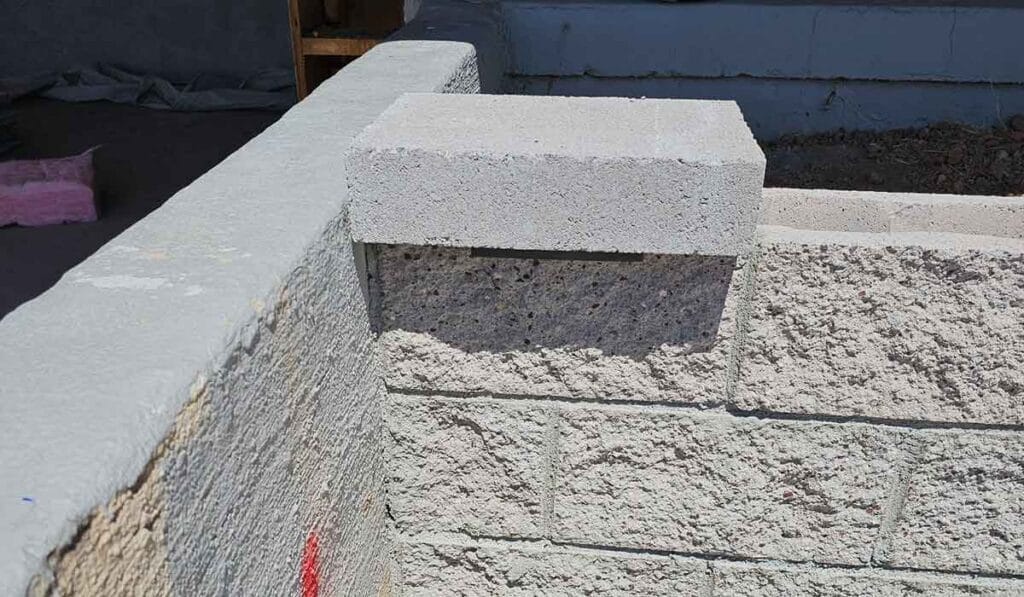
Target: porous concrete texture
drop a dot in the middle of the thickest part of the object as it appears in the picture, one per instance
(504, 569)
(721, 485)
(801, 481)
(901, 327)
(244, 284)
(649, 176)
(868, 211)
(476, 466)
(964, 505)
(656, 330)
(737, 579)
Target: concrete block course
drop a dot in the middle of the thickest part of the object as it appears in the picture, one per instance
(964, 507)
(921, 328)
(874, 212)
(721, 485)
(659, 329)
(737, 579)
(476, 466)
(514, 172)
(501, 569)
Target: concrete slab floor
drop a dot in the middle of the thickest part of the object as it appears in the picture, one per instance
(145, 156)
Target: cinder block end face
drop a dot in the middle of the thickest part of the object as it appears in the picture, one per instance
(558, 174)
(965, 505)
(902, 332)
(468, 466)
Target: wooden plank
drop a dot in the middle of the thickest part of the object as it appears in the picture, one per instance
(295, 25)
(337, 46)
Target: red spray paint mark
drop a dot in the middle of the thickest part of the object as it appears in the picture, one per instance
(310, 572)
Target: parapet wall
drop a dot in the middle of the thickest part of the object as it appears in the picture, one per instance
(196, 409)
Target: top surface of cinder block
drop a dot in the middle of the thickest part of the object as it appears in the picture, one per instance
(558, 174)
(697, 131)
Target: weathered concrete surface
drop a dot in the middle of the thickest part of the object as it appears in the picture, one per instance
(227, 255)
(964, 505)
(721, 485)
(291, 447)
(659, 329)
(761, 580)
(501, 569)
(867, 211)
(649, 176)
(913, 327)
(471, 465)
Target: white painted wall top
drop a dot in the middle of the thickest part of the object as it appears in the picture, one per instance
(559, 174)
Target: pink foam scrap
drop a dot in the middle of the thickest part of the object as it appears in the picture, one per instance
(43, 192)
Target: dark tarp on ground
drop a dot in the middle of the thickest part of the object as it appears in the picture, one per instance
(267, 90)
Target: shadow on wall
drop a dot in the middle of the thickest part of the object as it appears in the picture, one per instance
(498, 305)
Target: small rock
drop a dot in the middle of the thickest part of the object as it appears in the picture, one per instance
(1017, 122)
(876, 178)
(955, 155)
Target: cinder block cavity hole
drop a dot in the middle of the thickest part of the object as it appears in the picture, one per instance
(554, 255)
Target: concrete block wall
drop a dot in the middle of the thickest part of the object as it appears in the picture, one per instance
(836, 413)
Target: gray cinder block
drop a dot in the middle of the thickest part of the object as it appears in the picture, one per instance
(767, 580)
(558, 174)
(715, 484)
(658, 329)
(473, 466)
(964, 507)
(889, 329)
(502, 570)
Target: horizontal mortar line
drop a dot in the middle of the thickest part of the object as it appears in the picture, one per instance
(806, 565)
(720, 408)
(664, 76)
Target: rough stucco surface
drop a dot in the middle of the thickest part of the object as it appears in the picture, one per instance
(721, 485)
(475, 466)
(964, 506)
(121, 548)
(513, 172)
(902, 332)
(291, 446)
(654, 330)
(751, 580)
(449, 569)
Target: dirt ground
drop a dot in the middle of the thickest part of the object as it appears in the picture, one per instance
(144, 157)
(942, 158)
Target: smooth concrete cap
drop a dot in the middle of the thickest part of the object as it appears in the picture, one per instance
(558, 174)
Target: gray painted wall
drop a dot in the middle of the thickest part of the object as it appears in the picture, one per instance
(792, 66)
